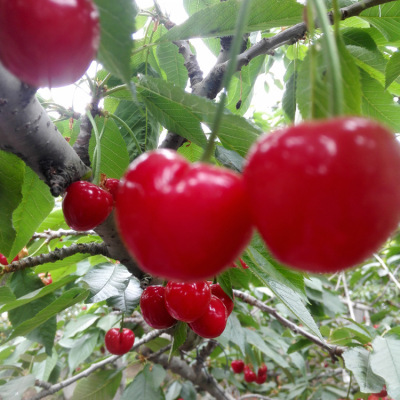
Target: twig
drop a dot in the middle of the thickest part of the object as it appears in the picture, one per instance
(254, 396)
(334, 351)
(385, 267)
(58, 386)
(384, 290)
(92, 248)
(347, 295)
(50, 235)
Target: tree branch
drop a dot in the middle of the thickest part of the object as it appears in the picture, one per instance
(56, 255)
(50, 235)
(334, 351)
(58, 386)
(27, 131)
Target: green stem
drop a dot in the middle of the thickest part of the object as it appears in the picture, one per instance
(97, 150)
(230, 70)
(332, 58)
(126, 126)
(348, 390)
(116, 89)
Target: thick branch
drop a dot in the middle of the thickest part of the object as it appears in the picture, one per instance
(27, 131)
(56, 255)
(334, 351)
(55, 388)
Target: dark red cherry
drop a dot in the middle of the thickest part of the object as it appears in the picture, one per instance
(119, 341)
(217, 290)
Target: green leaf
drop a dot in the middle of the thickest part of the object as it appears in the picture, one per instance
(80, 324)
(285, 292)
(289, 97)
(229, 158)
(378, 104)
(82, 349)
(385, 362)
(392, 69)
(385, 18)
(117, 26)
(67, 299)
(316, 97)
(358, 361)
(128, 300)
(182, 113)
(100, 385)
(6, 295)
(12, 171)
(220, 19)
(225, 282)
(233, 333)
(114, 154)
(106, 280)
(180, 333)
(143, 387)
(15, 388)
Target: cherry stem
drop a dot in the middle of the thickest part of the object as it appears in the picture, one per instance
(97, 150)
(332, 58)
(240, 27)
(122, 322)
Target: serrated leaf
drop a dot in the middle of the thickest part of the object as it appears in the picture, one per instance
(12, 171)
(358, 361)
(182, 113)
(378, 104)
(15, 388)
(392, 69)
(385, 362)
(67, 299)
(220, 19)
(114, 154)
(385, 18)
(82, 349)
(117, 26)
(100, 385)
(106, 280)
(129, 299)
(180, 333)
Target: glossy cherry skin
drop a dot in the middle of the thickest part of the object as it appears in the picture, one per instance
(119, 342)
(213, 322)
(187, 301)
(237, 366)
(182, 221)
(3, 259)
(153, 308)
(85, 205)
(46, 42)
(217, 290)
(325, 195)
(249, 375)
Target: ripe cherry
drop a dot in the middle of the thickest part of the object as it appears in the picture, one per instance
(111, 185)
(187, 301)
(3, 259)
(213, 322)
(181, 221)
(119, 341)
(153, 308)
(262, 370)
(249, 374)
(217, 290)
(85, 205)
(325, 194)
(48, 43)
(237, 366)
(260, 379)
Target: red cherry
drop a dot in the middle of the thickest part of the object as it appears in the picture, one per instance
(119, 342)
(383, 392)
(190, 220)
(48, 43)
(213, 322)
(3, 259)
(249, 375)
(325, 194)
(243, 264)
(217, 290)
(262, 370)
(153, 308)
(237, 366)
(85, 205)
(111, 185)
(187, 301)
(260, 379)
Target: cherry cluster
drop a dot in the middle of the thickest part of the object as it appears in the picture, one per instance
(203, 305)
(4, 261)
(86, 205)
(238, 366)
